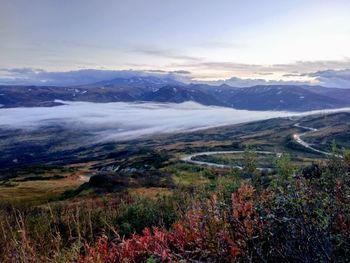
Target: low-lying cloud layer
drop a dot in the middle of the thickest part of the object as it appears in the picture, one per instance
(123, 121)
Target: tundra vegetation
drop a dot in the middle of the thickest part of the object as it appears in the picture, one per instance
(297, 215)
(143, 205)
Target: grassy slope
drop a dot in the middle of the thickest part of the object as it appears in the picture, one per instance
(157, 157)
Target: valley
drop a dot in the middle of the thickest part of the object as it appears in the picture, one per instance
(174, 131)
(160, 162)
(150, 161)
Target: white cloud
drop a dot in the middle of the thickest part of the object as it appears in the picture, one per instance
(30, 76)
(325, 73)
(333, 78)
(240, 83)
(121, 121)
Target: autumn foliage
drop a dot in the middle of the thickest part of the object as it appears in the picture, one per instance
(302, 216)
(209, 231)
(300, 220)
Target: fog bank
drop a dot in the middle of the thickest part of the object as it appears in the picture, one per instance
(122, 121)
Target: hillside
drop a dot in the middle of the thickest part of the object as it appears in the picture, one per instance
(294, 98)
(127, 201)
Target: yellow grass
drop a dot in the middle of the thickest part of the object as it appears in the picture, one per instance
(40, 191)
(185, 178)
(37, 191)
(149, 192)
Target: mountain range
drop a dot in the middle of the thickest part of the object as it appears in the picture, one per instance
(149, 88)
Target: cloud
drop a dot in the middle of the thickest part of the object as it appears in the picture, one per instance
(29, 76)
(184, 72)
(299, 73)
(293, 74)
(23, 70)
(122, 121)
(264, 73)
(288, 68)
(165, 53)
(240, 83)
(332, 78)
(222, 45)
(329, 73)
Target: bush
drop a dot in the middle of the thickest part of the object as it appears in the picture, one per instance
(146, 213)
(300, 217)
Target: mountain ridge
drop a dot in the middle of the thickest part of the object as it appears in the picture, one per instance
(149, 88)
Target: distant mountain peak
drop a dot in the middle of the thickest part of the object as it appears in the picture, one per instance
(150, 88)
(138, 81)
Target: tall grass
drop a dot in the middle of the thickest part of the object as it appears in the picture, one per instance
(58, 232)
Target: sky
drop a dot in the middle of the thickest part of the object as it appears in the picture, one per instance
(224, 41)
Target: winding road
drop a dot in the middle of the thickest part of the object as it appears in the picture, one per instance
(188, 159)
(296, 137)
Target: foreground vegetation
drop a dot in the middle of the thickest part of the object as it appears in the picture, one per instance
(296, 215)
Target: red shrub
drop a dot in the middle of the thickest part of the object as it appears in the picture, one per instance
(205, 232)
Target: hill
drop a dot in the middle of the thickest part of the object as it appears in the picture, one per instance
(268, 97)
